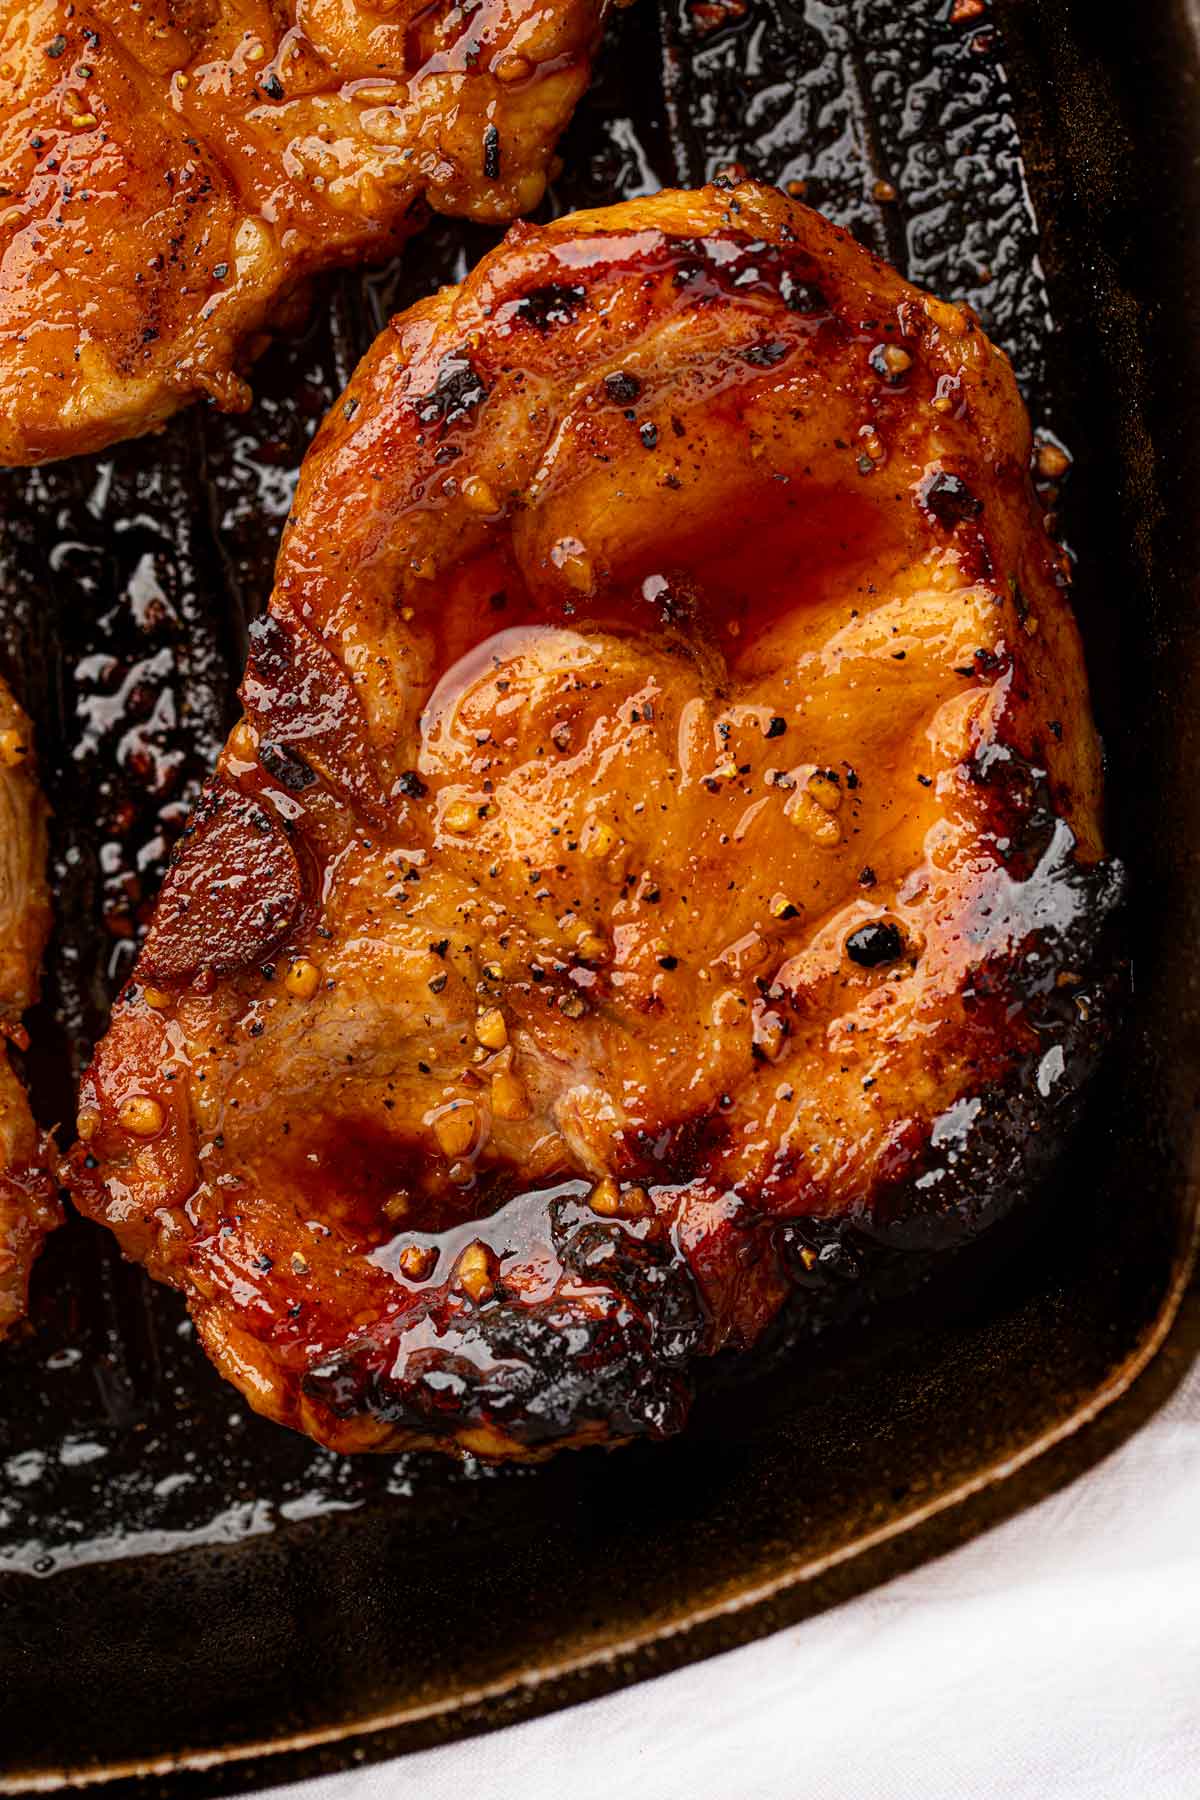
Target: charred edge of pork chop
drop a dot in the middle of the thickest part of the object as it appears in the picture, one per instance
(551, 1372)
(554, 1373)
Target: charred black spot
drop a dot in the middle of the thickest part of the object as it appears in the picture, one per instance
(1022, 817)
(690, 254)
(411, 786)
(456, 393)
(675, 603)
(546, 307)
(875, 944)
(801, 296)
(765, 356)
(287, 767)
(643, 1269)
(491, 153)
(948, 499)
(747, 265)
(622, 387)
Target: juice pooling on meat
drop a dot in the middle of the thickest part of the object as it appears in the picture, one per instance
(658, 864)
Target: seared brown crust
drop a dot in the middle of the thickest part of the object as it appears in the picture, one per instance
(28, 1204)
(170, 171)
(661, 847)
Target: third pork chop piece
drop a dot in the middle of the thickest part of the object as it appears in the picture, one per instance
(28, 1204)
(660, 856)
(170, 171)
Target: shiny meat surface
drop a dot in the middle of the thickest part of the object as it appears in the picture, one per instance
(28, 1207)
(661, 847)
(169, 173)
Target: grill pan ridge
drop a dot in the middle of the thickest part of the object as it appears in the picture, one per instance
(178, 1567)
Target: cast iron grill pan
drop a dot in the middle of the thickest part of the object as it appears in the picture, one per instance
(178, 1576)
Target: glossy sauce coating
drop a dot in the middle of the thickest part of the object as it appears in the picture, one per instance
(664, 822)
(28, 1207)
(169, 172)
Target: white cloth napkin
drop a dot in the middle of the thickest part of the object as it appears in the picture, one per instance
(1054, 1658)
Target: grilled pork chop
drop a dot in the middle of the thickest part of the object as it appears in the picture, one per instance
(28, 1206)
(170, 171)
(658, 861)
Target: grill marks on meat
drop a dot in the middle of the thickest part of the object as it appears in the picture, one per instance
(685, 883)
(169, 173)
(28, 1204)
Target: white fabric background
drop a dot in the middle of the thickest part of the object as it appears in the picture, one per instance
(1054, 1658)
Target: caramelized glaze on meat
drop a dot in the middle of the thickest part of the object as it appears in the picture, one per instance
(28, 1206)
(169, 171)
(662, 834)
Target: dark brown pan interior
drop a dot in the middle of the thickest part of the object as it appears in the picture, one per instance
(178, 1578)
